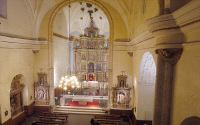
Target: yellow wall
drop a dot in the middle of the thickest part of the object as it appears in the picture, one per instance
(121, 62)
(186, 101)
(140, 13)
(12, 63)
(127, 24)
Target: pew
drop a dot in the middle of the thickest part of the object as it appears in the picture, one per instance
(48, 118)
(108, 119)
(46, 123)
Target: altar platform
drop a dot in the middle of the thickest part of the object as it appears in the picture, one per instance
(80, 110)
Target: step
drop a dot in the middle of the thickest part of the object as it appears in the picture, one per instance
(79, 110)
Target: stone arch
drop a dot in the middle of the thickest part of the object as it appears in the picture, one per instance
(63, 4)
(146, 87)
(16, 95)
(119, 32)
(52, 15)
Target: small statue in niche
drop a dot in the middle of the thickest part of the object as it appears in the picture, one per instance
(122, 80)
(122, 84)
(91, 67)
(41, 88)
(121, 93)
(121, 98)
(42, 78)
(91, 77)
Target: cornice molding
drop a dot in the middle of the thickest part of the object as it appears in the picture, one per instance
(162, 23)
(19, 43)
(143, 37)
(188, 15)
(165, 29)
(22, 41)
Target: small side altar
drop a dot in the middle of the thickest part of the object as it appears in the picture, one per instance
(121, 93)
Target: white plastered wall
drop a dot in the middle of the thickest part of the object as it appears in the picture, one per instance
(15, 57)
(60, 59)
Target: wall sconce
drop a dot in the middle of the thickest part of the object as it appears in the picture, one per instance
(6, 112)
(130, 54)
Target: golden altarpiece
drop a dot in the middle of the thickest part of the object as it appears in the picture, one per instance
(90, 57)
(91, 62)
(91, 52)
(41, 90)
(121, 93)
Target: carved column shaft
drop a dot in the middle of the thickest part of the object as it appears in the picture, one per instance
(167, 59)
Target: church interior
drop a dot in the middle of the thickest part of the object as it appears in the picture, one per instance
(99, 62)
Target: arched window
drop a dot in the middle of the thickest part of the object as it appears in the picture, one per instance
(147, 70)
(146, 87)
(3, 8)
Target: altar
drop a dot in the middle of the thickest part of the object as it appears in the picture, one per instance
(82, 98)
(84, 101)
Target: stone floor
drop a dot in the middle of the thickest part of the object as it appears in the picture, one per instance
(73, 119)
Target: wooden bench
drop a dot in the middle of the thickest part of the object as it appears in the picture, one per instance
(46, 123)
(51, 118)
(54, 119)
(108, 119)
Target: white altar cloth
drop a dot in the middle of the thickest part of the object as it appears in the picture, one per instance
(83, 98)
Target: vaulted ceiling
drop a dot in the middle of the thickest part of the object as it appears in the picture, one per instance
(122, 11)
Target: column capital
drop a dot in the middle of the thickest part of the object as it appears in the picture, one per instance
(171, 55)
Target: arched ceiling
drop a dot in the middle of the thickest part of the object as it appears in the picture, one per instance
(77, 20)
(121, 11)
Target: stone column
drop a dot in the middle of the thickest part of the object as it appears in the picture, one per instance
(51, 88)
(167, 59)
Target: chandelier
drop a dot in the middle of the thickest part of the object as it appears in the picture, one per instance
(69, 83)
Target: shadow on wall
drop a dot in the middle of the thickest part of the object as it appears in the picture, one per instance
(176, 4)
(194, 120)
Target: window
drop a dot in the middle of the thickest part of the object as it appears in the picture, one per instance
(3, 8)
